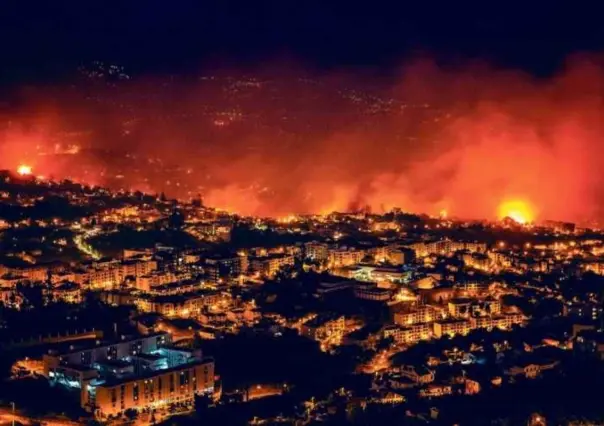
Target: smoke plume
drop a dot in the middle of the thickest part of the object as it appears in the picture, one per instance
(279, 140)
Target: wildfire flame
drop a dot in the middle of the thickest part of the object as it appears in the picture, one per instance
(518, 210)
(24, 170)
(287, 219)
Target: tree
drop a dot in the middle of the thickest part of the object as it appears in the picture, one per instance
(131, 414)
(202, 404)
(176, 220)
(33, 295)
(384, 343)
(91, 300)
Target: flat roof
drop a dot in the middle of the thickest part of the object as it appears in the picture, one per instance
(76, 367)
(148, 357)
(115, 363)
(92, 344)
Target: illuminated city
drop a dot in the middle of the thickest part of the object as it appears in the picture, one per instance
(415, 306)
(263, 216)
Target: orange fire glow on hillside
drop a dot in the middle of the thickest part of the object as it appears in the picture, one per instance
(518, 210)
(465, 138)
(24, 170)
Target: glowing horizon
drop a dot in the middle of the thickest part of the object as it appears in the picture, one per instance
(444, 142)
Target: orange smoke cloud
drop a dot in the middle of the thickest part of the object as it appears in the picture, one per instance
(469, 139)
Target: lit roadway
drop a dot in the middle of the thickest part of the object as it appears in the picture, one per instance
(7, 418)
(82, 244)
(381, 361)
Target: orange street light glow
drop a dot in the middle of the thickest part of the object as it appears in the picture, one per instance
(518, 210)
(24, 170)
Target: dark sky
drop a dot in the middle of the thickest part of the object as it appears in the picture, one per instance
(46, 39)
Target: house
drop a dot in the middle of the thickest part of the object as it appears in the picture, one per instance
(419, 375)
(531, 366)
(435, 390)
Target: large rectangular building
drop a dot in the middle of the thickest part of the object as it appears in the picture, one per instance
(411, 334)
(345, 256)
(269, 265)
(316, 251)
(110, 274)
(452, 327)
(158, 388)
(181, 305)
(504, 322)
(417, 314)
(105, 351)
(141, 372)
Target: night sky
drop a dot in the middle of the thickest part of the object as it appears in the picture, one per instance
(47, 39)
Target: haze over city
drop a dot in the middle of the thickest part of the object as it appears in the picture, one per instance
(280, 139)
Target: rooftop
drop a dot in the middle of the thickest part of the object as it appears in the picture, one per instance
(92, 344)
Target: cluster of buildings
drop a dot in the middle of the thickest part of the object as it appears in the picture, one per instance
(131, 373)
(328, 330)
(415, 321)
(335, 255)
(382, 282)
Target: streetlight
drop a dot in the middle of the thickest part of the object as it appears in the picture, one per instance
(13, 405)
